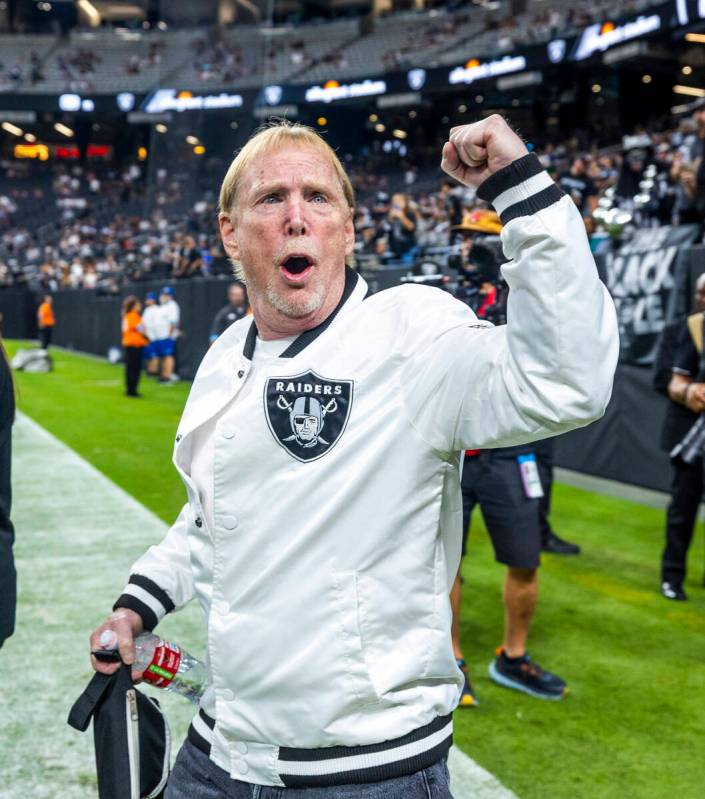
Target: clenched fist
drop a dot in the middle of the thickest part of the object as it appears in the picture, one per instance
(474, 152)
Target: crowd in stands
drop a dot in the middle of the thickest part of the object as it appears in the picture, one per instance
(112, 227)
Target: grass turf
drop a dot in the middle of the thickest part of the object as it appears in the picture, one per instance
(632, 724)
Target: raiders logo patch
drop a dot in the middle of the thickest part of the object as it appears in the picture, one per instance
(307, 413)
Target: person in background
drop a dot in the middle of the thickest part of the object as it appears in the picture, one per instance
(46, 321)
(578, 186)
(679, 375)
(8, 576)
(134, 341)
(550, 542)
(152, 329)
(401, 238)
(235, 309)
(171, 313)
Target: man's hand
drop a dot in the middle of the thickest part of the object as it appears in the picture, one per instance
(474, 152)
(125, 625)
(695, 398)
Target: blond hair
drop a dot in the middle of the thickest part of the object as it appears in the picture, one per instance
(271, 136)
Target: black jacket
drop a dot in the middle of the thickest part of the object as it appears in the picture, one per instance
(678, 419)
(8, 579)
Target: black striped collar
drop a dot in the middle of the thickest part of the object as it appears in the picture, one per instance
(308, 336)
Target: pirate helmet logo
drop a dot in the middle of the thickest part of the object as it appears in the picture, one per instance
(307, 413)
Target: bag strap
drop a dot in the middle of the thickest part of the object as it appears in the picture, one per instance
(84, 707)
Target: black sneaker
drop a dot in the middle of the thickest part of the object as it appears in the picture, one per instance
(522, 674)
(673, 591)
(557, 546)
(467, 697)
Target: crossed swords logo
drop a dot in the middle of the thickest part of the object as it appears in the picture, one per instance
(306, 423)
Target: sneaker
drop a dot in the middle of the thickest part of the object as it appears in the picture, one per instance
(673, 591)
(467, 697)
(523, 674)
(557, 546)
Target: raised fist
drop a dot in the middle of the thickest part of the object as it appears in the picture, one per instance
(476, 151)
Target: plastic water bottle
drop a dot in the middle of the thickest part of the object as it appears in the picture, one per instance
(165, 665)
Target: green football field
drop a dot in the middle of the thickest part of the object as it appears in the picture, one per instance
(633, 723)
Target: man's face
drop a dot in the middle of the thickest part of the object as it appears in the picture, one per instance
(236, 296)
(290, 229)
(306, 427)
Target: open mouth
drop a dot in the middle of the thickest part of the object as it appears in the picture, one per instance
(295, 267)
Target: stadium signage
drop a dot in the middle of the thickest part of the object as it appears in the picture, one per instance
(600, 37)
(169, 100)
(475, 70)
(332, 90)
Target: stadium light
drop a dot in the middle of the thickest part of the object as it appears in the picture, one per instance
(596, 88)
(380, 128)
(160, 128)
(479, 98)
(193, 140)
(322, 121)
(687, 70)
(91, 12)
(646, 78)
(63, 129)
(373, 117)
(30, 137)
(399, 134)
(695, 37)
(13, 129)
(142, 153)
(692, 91)
(199, 149)
(412, 114)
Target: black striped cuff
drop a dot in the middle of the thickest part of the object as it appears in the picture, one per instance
(349, 765)
(147, 599)
(520, 189)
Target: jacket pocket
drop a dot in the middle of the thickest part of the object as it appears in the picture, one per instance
(406, 636)
(346, 603)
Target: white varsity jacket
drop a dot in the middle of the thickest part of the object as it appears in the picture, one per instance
(325, 575)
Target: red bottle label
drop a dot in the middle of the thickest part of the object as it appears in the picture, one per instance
(164, 665)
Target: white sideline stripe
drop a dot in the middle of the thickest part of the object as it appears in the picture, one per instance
(468, 779)
(341, 764)
(522, 191)
(144, 596)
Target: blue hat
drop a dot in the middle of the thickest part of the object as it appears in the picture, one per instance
(150, 295)
(168, 290)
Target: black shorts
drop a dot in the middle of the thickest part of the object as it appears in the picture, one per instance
(492, 480)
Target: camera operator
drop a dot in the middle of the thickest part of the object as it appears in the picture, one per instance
(680, 348)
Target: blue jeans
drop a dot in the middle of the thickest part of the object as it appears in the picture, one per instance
(196, 776)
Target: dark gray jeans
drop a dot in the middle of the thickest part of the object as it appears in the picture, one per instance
(196, 776)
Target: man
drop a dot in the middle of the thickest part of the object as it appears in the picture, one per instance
(505, 483)
(154, 330)
(550, 541)
(234, 310)
(171, 314)
(679, 374)
(46, 321)
(324, 568)
(577, 185)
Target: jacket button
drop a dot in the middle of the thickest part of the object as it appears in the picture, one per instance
(228, 695)
(228, 433)
(242, 767)
(199, 522)
(241, 373)
(178, 438)
(241, 747)
(229, 522)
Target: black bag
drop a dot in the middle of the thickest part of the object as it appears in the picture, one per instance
(131, 734)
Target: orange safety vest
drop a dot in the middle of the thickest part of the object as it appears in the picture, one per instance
(131, 336)
(46, 315)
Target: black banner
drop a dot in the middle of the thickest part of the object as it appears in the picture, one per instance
(640, 278)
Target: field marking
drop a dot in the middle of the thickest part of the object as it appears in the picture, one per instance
(77, 534)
